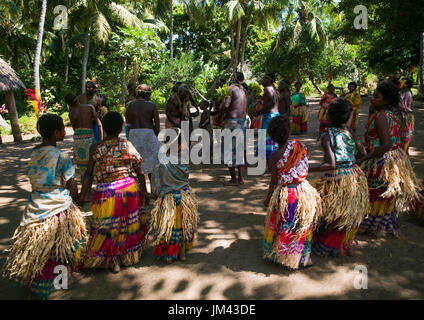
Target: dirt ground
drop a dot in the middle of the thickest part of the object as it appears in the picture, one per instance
(226, 261)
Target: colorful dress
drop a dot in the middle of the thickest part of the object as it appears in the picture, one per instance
(264, 139)
(355, 100)
(392, 182)
(175, 214)
(324, 123)
(119, 223)
(345, 198)
(293, 211)
(52, 230)
(407, 119)
(299, 114)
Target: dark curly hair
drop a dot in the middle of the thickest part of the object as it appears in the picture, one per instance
(339, 112)
(112, 123)
(279, 129)
(48, 123)
(390, 93)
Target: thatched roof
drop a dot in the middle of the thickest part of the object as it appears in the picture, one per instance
(8, 79)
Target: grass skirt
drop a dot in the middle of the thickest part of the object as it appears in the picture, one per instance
(299, 119)
(291, 217)
(39, 247)
(345, 203)
(392, 186)
(119, 224)
(174, 219)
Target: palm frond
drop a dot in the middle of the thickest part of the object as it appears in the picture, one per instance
(101, 28)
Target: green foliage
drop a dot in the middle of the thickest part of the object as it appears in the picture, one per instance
(256, 88)
(221, 93)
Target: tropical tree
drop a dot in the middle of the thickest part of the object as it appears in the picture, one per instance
(39, 45)
(94, 18)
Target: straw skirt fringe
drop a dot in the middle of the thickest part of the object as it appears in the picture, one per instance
(292, 214)
(164, 215)
(34, 244)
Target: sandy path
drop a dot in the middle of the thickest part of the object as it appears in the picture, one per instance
(226, 262)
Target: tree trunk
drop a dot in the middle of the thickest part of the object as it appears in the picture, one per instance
(422, 64)
(123, 83)
(66, 61)
(238, 43)
(39, 45)
(243, 46)
(232, 48)
(85, 61)
(171, 31)
(13, 115)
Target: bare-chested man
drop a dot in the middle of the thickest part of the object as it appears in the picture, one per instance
(82, 117)
(142, 117)
(91, 97)
(235, 110)
(285, 97)
(179, 108)
(269, 111)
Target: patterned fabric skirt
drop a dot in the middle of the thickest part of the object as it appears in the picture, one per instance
(354, 120)
(392, 186)
(407, 130)
(291, 217)
(39, 247)
(176, 229)
(265, 140)
(119, 224)
(345, 203)
(83, 138)
(299, 119)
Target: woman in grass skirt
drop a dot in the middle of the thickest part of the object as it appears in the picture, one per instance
(392, 182)
(293, 204)
(52, 230)
(175, 215)
(119, 223)
(344, 189)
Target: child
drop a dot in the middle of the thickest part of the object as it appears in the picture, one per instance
(119, 223)
(325, 101)
(52, 229)
(299, 111)
(175, 215)
(355, 100)
(293, 204)
(392, 182)
(344, 188)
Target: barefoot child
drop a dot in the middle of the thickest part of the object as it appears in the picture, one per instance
(52, 229)
(174, 216)
(293, 204)
(343, 189)
(392, 182)
(119, 222)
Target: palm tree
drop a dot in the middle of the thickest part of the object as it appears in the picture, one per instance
(306, 15)
(93, 17)
(265, 14)
(39, 45)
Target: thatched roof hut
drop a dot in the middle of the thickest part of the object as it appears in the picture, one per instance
(8, 79)
(9, 82)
